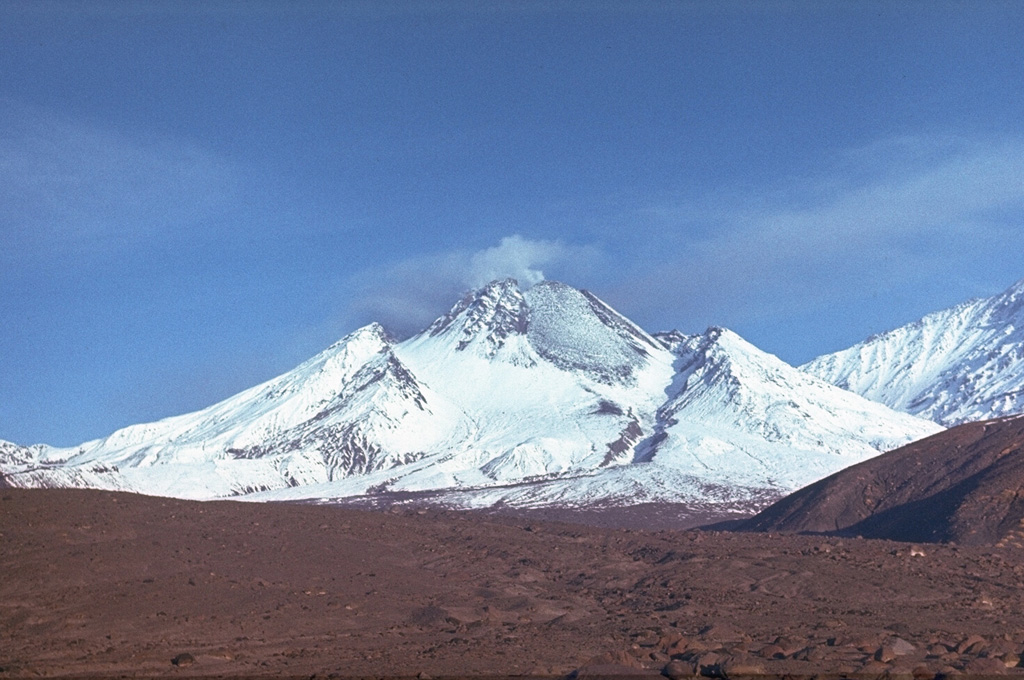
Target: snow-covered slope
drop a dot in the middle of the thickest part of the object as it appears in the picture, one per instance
(352, 408)
(538, 397)
(737, 415)
(734, 428)
(957, 365)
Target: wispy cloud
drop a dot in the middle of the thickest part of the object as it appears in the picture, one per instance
(408, 295)
(69, 186)
(898, 212)
(908, 213)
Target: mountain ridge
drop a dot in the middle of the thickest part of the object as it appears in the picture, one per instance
(538, 396)
(952, 366)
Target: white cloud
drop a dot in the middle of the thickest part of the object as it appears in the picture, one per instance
(514, 257)
(408, 295)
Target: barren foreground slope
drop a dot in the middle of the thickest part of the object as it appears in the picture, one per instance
(964, 485)
(98, 583)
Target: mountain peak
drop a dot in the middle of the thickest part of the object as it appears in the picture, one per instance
(719, 334)
(1008, 306)
(372, 332)
(725, 340)
(1016, 289)
(717, 342)
(513, 392)
(577, 331)
(358, 345)
(955, 365)
(670, 340)
(490, 314)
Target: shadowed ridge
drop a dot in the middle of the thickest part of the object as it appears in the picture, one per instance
(964, 485)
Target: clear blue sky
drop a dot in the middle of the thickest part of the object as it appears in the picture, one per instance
(195, 197)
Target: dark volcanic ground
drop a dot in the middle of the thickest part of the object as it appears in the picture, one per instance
(101, 584)
(964, 485)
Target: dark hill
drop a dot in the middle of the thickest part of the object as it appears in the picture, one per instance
(964, 485)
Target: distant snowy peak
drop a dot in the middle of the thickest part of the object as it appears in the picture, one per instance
(725, 357)
(261, 412)
(12, 454)
(246, 442)
(960, 364)
(720, 345)
(1008, 306)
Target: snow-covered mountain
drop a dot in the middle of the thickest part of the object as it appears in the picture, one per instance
(345, 409)
(546, 396)
(961, 364)
(749, 416)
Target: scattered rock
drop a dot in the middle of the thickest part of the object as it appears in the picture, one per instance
(612, 671)
(678, 669)
(720, 632)
(893, 649)
(789, 645)
(874, 667)
(621, 658)
(1001, 647)
(971, 645)
(922, 672)
(668, 641)
(740, 666)
(708, 664)
(686, 646)
(772, 651)
(866, 643)
(844, 669)
(984, 666)
(659, 657)
(428, 616)
(900, 672)
(810, 653)
(443, 570)
(901, 647)
(183, 659)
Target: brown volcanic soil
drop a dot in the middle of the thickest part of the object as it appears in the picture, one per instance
(964, 485)
(100, 584)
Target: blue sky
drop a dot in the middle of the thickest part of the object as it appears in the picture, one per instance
(195, 197)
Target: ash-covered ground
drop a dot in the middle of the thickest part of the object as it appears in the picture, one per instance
(98, 584)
